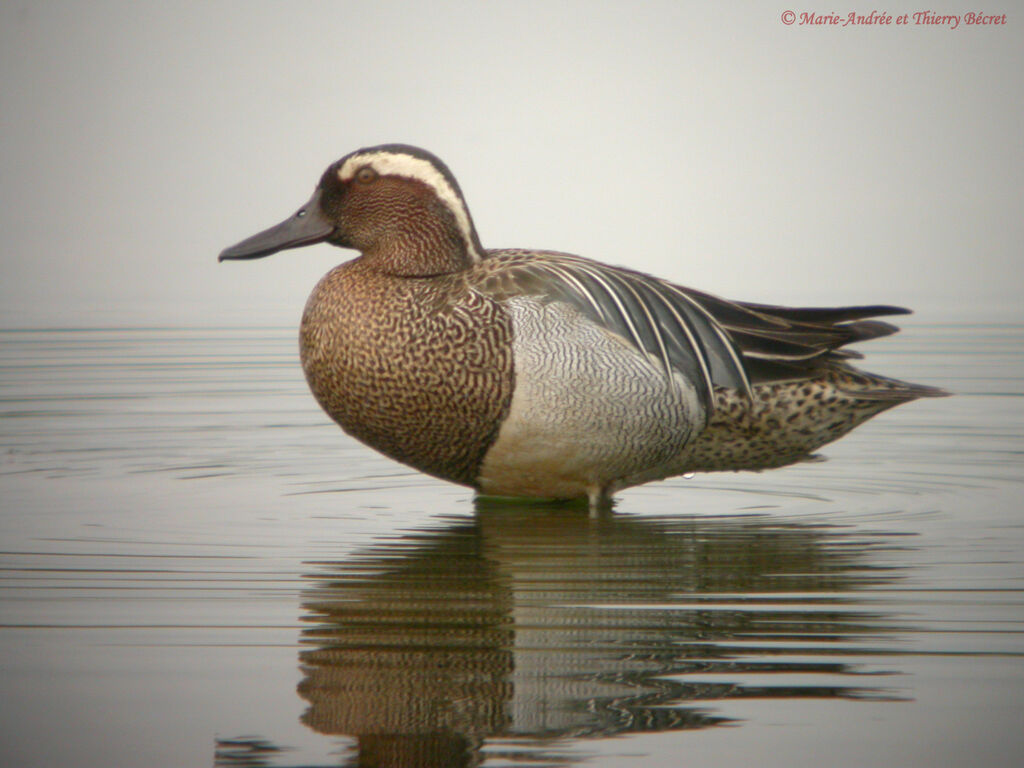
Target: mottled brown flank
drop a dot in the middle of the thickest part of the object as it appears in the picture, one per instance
(790, 419)
(419, 369)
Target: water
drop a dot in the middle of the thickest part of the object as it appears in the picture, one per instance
(198, 568)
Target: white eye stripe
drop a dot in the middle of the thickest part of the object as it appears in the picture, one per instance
(398, 164)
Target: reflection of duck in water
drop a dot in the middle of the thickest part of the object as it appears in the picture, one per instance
(529, 622)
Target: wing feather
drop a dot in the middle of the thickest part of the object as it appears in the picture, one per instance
(711, 341)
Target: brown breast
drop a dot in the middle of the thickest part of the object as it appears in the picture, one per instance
(418, 368)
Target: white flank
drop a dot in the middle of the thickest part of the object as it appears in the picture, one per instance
(589, 410)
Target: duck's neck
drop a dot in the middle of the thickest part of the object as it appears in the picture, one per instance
(421, 252)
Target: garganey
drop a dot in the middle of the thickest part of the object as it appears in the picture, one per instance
(543, 374)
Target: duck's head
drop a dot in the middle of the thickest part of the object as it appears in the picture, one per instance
(399, 205)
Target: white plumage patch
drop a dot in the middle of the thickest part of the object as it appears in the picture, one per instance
(589, 411)
(420, 169)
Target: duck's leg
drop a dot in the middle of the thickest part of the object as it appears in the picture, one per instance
(600, 501)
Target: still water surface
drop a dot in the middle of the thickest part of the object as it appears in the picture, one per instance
(198, 568)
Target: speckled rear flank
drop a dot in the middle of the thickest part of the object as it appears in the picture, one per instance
(790, 419)
(415, 368)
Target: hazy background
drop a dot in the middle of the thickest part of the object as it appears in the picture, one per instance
(706, 142)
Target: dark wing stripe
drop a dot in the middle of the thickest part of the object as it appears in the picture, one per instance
(613, 288)
(815, 337)
(865, 330)
(726, 341)
(823, 315)
(781, 357)
(610, 310)
(787, 334)
(685, 339)
(635, 298)
(706, 340)
(732, 314)
(693, 350)
(621, 308)
(651, 324)
(579, 290)
(761, 346)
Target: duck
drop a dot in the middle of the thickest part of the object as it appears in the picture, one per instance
(542, 374)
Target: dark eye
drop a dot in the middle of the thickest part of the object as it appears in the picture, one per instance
(366, 174)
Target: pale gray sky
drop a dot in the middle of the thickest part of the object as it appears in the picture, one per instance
(706, 142)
